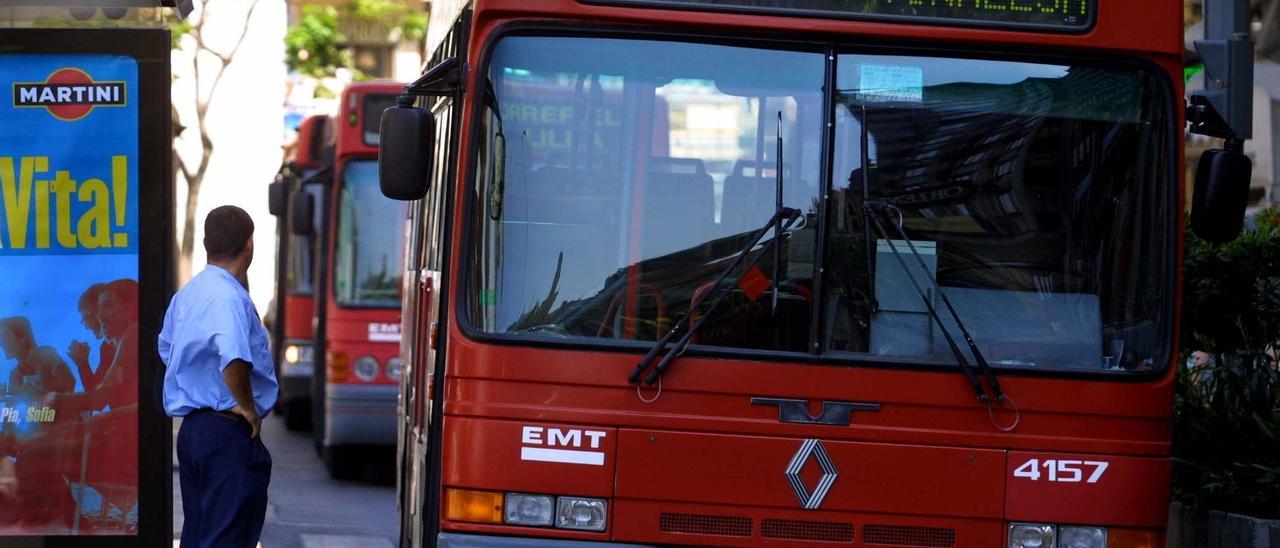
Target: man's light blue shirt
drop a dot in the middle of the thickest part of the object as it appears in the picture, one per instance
(210, 323)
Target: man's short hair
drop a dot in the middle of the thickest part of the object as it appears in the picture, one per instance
(227, 230)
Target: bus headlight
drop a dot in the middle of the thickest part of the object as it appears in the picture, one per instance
(366, 368)
(1074, 536)
(298, 353)
(580, 513)
(395, 367)
(523, 509)
(1032, 535)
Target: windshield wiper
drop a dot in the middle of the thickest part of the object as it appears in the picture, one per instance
(873, 210)
(791, 216)
(776, 222)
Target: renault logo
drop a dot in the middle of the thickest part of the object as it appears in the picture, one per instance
(811, 449)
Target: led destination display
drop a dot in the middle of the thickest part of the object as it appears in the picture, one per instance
(1061, 15)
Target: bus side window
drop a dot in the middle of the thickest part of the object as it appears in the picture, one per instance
(434, 201)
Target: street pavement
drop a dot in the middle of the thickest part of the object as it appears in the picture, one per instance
(307, 509)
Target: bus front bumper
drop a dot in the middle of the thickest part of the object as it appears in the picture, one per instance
(360, 414)
(295, 388)
(457, 540)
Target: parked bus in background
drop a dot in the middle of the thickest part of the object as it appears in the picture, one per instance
(781, 273)
(308, 171)
(356, 316)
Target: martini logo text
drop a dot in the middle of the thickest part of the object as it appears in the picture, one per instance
(68, 94)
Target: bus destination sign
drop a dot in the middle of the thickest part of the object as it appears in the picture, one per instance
(1051, 15)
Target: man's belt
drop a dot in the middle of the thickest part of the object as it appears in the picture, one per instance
(223, 414)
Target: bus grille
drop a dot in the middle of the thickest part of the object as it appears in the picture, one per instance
(821, 531)
(701, 524)
(901, 535)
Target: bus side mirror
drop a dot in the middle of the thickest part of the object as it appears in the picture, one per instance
(1221, 194)
(405, 151)
(277, 198)
(301, 204)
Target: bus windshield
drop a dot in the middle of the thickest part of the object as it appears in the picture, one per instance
(1037, 195)
(368, 256)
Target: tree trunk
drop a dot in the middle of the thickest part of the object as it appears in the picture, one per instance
(187, 248)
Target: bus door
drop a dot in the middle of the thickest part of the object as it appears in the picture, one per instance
(425, 298)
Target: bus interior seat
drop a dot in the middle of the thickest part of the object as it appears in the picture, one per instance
(553, 212)
(679, 199)
(750, 196)
(562, 196)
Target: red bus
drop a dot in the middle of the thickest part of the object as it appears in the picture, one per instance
(308, 171)
(358, 267)
(779, 273)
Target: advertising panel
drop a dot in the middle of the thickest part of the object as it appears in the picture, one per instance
(69, 411)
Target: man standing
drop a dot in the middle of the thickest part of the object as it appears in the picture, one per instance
(220, 379)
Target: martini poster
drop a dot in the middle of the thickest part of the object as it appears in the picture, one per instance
(68, 295)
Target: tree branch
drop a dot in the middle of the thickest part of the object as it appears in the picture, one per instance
(224, 59)
(202, 105)
(186, 171)
(194, 175)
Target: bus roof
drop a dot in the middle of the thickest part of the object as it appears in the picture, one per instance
(1146, 26)
(443, 14)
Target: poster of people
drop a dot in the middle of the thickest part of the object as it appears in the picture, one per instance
(68, 295)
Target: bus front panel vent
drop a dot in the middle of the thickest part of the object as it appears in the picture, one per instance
(818, 531)
(702, 524)
(906, 535)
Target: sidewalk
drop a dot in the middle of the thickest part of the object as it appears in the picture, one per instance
(306, 508)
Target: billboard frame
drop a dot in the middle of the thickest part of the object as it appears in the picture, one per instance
(150, 48)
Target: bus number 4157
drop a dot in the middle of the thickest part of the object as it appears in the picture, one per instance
(1067, 471)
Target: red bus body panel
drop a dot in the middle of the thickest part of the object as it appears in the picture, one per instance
(314, 134)
(315, 130)
(931, 457)
(298, 311)
(1132, 491)
(352, 330)
(357, 412)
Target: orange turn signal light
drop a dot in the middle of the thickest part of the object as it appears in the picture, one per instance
(337, 366)
(1133, 538)
(473, 506)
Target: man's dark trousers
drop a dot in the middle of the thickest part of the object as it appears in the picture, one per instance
(224, 473)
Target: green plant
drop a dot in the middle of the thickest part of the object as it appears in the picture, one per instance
(177, 29)
(1227, 289)
(375, 10)
(414, 27)
(314, 46)
(412, 24)
(1227, 411)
